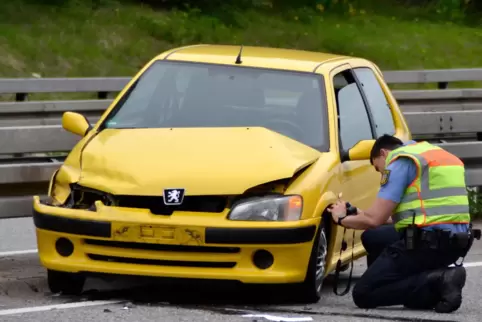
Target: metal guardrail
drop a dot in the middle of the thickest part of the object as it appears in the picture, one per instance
(29, 129)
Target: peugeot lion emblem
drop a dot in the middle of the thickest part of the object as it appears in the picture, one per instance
(173, 196)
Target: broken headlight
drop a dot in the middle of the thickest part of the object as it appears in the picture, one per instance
(268, 208)
(85, 198)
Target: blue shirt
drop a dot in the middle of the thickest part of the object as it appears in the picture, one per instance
(402, 172)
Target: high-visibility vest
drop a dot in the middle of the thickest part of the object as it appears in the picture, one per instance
(438, 195)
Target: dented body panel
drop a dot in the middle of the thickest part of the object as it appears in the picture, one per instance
(202, 161)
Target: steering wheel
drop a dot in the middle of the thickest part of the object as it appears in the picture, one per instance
(287, 128)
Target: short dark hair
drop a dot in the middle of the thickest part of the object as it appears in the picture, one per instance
(385, 141)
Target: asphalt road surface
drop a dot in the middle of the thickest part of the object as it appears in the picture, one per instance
(24, 295)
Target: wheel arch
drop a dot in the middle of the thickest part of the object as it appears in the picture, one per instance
(326, 200)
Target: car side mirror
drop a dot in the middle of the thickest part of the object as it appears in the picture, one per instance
(75, 123)
(360, 151)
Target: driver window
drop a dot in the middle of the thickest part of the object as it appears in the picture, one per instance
(354, 124)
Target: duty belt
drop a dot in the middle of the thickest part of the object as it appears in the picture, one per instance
(440, 239)
(443, 239)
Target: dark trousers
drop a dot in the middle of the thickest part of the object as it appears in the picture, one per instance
(375, 240)
(398, 276)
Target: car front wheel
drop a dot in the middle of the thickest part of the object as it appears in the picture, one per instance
(310, 289)
(65, 283)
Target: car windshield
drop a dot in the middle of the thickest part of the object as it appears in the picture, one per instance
(182, 94)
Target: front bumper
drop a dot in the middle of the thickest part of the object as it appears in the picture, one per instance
(184, 245)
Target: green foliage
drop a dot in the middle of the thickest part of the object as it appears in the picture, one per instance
(467, 11)
(453, 9)
(475, 203)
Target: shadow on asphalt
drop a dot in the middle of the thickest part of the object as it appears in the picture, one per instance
(228, 298)
(200, 292)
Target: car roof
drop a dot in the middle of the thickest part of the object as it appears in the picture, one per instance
(253, 56)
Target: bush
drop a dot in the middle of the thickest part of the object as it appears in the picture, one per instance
(475, 203)
(446, 9)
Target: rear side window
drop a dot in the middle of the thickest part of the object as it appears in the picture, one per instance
(378, 104)
(354, 124)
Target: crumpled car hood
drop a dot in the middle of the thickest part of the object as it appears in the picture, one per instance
(204, 161)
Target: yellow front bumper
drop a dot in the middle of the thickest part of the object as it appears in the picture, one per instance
(183, 245)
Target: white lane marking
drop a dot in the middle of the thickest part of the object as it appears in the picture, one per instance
(277, 318)
(472, 264)
(55, 307)
(18, 252)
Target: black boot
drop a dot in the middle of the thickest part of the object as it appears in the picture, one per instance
(449, 283)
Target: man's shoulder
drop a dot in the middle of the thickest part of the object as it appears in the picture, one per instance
(399, 170)
(409, 142)
(401, 162)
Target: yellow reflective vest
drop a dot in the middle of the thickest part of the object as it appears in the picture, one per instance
(438, 195)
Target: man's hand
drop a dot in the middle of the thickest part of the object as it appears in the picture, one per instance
(337, 210)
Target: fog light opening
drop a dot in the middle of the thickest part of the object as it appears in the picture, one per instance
(263, 259)
(64, 247)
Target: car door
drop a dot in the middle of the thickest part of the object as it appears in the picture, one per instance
(359, 180)
(381, 115)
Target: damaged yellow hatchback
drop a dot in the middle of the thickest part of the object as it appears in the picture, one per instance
(218, 162)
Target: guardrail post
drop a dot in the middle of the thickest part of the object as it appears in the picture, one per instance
(21, 97)
(102, 95)
(443, 85)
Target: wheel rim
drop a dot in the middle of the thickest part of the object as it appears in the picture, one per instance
(320, 260)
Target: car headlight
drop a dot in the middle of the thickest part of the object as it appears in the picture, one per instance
(85, 198)
(268, 208)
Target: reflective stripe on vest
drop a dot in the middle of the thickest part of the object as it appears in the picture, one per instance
(438, 194)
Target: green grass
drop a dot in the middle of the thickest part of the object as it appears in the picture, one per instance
(117, 39)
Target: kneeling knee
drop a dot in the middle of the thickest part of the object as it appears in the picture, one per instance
(361, 297)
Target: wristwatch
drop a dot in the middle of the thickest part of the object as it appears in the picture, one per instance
(350, 211)
(340, 219)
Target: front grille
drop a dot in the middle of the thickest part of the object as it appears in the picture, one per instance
(160, 262)
(164, 247)
(190, 203)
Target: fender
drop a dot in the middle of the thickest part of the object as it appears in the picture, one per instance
(328, 198)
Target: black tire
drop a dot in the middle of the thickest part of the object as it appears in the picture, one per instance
(65, 283)
(310, 290)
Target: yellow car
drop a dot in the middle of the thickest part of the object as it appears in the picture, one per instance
(219, 162)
